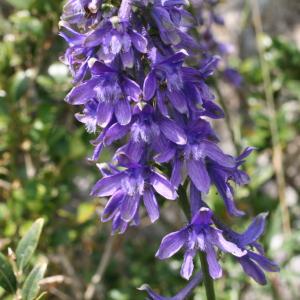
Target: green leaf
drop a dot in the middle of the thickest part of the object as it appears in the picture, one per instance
(7, 277)
(28, 244)
(31, 285)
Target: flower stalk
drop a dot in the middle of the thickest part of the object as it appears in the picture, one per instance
(208, 281)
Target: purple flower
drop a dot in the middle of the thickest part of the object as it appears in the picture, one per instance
(221, 176)
(127, 187)
(116, 37)
(198, 235)
(193, 156)
(254, 262)
(112, 92)
(81, 13)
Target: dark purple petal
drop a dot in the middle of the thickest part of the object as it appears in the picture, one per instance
(112, 205)
(267, 264)
(195, 199)
(129, 207)
(171, 244)
(176, 177)
(150, 86)
(123, 112)
(213, 110)
(178, 100)
(254, 231)
(173, 132)
(107, 185)
(251, 269)
(151, 205)
(198, 174)
(160, 96)
(163, 186)
(226, 192)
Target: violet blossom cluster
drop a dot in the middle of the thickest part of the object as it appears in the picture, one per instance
(136, 89)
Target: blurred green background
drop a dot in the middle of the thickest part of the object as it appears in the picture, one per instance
(44, 171)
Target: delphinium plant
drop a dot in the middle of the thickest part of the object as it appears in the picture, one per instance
(140, 86)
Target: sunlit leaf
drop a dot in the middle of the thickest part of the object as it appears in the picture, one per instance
(31, 285)
(28, 244)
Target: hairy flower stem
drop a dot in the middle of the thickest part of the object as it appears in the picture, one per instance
(208, 281)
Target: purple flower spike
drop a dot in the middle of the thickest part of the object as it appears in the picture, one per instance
(199, 235)
(141, 81)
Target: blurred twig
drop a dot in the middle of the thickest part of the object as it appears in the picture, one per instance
(96, 279)
(75, 281)
(277, 148)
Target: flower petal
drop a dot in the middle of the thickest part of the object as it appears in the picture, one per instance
(139, 42)
(254, 231)
(82, 93)
(188, 264)
(96, 36)
(173, 132)
(131, 88)
(104, 113)
(195, 199)
(123, 112)
(150, 86)
(129, 207)
(163, 186)
(198, 174)
(211, 150)
(203, 217)
(177, 98)
(252, 269)
(264, 262)
(171, 244)
(112, 205)
(114, 133)
(151, 205)
(107, 185)
(176, 177)
(214, 268)
(216, 238)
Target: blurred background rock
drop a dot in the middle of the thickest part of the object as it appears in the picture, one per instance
(44, 171)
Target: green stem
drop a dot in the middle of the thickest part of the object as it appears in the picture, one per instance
(208, 281)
